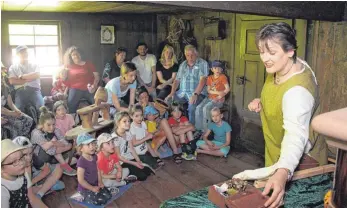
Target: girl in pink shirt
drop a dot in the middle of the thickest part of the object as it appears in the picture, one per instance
(63, 121)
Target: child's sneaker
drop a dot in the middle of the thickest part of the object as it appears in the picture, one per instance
(187, 156)
(130, 179)
(114, 190)
(67, 170)
(59, 185)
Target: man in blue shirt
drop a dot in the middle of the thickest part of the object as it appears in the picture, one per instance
(191, 78)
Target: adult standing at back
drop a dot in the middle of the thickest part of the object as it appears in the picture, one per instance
(25, 77)
(77, 74)
(112, 68)
(191, 78)
(145, 64)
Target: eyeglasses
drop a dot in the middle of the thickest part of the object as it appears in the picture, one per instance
(16, 163)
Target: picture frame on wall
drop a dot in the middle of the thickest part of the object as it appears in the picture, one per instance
(107, 34)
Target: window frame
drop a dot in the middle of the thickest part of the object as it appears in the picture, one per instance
(37, 22)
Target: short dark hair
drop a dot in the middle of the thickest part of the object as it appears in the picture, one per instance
(280, 31)
(120, 50)
(127, 67)
(141, 44)
(139, 91)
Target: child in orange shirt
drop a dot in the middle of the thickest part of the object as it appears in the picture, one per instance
(217, 88)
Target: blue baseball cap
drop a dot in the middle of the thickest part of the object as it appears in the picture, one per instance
(150, 110)
(84, 138)
(20, 48)
(217, 64)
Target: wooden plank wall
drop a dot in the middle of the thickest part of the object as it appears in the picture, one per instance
(83, 30)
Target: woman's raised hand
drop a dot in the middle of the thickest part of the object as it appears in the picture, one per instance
(255, 105)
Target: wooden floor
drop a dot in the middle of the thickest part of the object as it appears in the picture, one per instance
(170, 181)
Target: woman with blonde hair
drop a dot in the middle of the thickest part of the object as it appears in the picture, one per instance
(167, 69)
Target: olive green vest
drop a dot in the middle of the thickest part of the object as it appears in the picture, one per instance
(272, 115)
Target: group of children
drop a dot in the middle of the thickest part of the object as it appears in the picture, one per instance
(32, 168)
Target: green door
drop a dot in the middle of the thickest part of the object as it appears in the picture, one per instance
(249, 75)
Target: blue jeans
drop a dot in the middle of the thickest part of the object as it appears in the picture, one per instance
(203, 113)
(75, 96)
(191, 107)
(28, 95)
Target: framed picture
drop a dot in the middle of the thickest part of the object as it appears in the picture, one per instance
(107, 34)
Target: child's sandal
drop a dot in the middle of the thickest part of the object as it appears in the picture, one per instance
(160, 162)
(177, 158)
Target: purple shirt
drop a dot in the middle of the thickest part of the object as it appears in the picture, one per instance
(90, 171)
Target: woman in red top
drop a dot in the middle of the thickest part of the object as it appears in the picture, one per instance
(80, 76)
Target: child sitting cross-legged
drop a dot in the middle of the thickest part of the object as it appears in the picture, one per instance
(183, 131)
(43, 180)
(63, 121)
(112, 173)
(90, 184)
(138, 128)
(220, 145)
(124, 147)
(50, 143)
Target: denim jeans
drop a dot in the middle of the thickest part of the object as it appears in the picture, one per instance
(28, 95)
(191, 107)
(203, 113)
(75, 96)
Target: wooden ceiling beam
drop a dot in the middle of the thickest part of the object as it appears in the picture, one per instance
(312, 10)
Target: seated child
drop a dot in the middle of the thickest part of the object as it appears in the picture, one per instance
(14, 185)
(50, 143)
(63, 121)
(90, 184)
(159, 136)
(49, 175)
(112, 173)
(58, 92)
(138, 129)
(183, 132)
(220, 145)
(125, 149)
(217, 88)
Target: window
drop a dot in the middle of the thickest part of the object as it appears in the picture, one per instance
(42, 41)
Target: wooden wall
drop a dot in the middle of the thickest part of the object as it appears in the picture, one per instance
(83, 30)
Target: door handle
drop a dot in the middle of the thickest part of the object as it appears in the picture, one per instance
(241, 80)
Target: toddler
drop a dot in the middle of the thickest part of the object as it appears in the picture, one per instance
(90, 184)
(58, 92)
(63, 121)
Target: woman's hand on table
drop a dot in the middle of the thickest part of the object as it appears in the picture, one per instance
(277, 183)
(255, 105)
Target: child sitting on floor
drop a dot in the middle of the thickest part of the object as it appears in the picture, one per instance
(14, 185)
(48, 176)
(63, 121)
(50, 143)
(217, 87)
(183, 132)
(112, 173)
(220, 145)
(58, 92)
(125, 148)
(159, 137)
(90, 184)
(138, 129)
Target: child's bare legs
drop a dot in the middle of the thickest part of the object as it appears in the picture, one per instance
(67, 170)
(164, 125)
(51, 180)
(205, 149)
(190, 135)
(182, 138)
(153, 153)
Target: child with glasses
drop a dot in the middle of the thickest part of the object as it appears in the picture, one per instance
(90, 184)
(43, 180)
(14, 185)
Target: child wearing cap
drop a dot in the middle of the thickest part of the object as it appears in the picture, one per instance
(90, 184)
(112, 173)
(138, 128)
(125, 149)
(183, 131)
(152, 122)
(63, 121)
(50, 144)
(14, 186)
(217, 88)
(47, 178)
